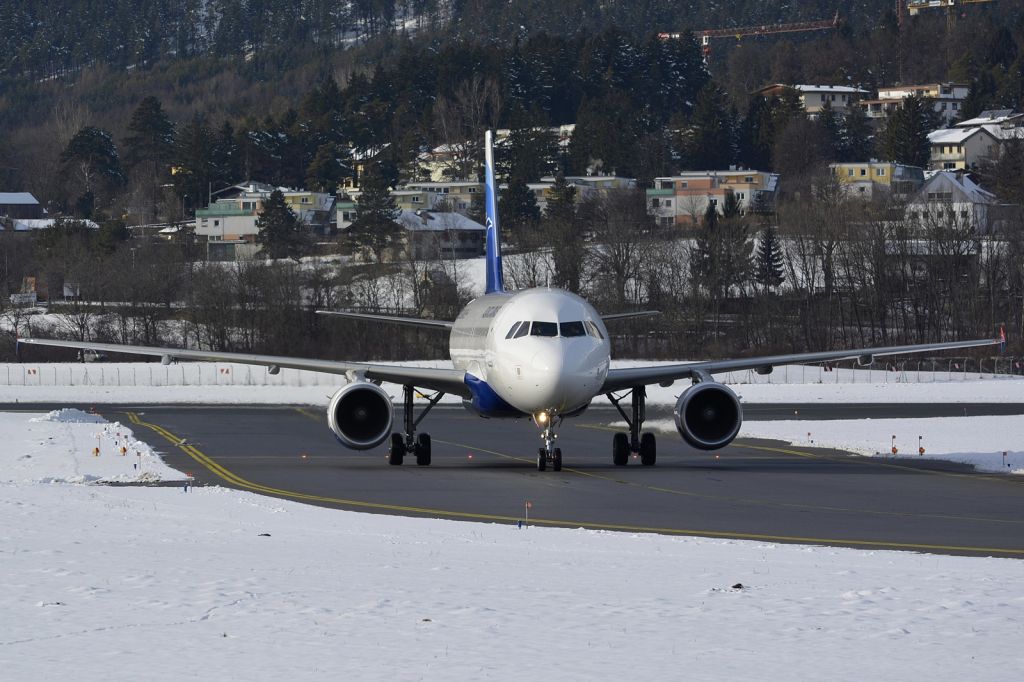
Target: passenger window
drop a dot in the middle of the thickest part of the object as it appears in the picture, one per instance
(544, 329)
(572, 329)
(524, 329)
(512, 330)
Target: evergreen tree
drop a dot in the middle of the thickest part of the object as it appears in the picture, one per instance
(150, 137)
(769, 272)
(904, 139)
(194, 163)
(856, 136)
(90, 161)
(281, 234)
(226, 158)
(325, 171)
(731, 206)
(374, 227)
(517, 207)
(568, 247)
(831, 127)
(711, 145)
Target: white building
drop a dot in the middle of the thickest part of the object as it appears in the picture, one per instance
(947, 99)
(949, 199)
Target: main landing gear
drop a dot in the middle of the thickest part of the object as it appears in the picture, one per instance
(549, 453)
(410, 443)
(634, 442)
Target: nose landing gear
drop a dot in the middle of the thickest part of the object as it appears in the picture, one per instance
(549, 453)
(634, 442)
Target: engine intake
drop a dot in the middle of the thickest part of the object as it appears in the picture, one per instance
(360, 415)
(708, 415)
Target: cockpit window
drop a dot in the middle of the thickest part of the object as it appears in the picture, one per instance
(544, 329)
(594, 329)
(524, 329)
(572, 329)
(512, 330)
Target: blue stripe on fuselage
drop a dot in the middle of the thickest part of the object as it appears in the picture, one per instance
(486, 402)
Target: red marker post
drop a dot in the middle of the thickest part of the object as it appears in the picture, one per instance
(528, 506)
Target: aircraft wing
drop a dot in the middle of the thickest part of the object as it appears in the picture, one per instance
(436, 379)
(628, 377)
(625, 316)
(397, 319)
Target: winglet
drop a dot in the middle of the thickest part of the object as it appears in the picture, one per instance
(495, 278)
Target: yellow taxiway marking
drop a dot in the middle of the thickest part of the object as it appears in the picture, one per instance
(240, 482)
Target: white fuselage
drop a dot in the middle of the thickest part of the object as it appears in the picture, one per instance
(540, 350)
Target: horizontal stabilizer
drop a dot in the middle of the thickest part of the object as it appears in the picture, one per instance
(395, 319)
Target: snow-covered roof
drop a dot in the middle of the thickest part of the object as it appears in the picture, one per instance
(17, 198)
(438, 221)
(1001, 133)
(26, 224)
(960, 186)
(955, 135)
(826, 88)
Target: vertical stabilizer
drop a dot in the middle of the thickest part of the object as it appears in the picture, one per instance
(495, 277)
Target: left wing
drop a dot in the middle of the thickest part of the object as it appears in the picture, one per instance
(436, 379)
(629, 377)
(397, 319)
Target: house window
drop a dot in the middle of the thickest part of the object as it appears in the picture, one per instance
(667, 184)
(881, 172)
(216, 223)
(472, 190)
(304, 200)
(416, 200)
(713, 202)
(849, 172)
(655, 203)
(749, 178)
(863, 172)
(668, 203)
(684, 184)
(956, 105)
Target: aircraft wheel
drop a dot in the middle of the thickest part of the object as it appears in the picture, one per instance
(648, 450)
(556, 463)
(423, 450)
(620, 449)
(542, 460)
(397, 452)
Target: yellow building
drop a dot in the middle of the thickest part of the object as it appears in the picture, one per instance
(872, 179)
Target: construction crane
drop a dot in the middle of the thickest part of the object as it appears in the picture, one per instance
(766, 29)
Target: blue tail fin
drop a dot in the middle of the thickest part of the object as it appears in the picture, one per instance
(495, 276)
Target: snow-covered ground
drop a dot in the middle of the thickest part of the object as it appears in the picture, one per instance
(102, 582)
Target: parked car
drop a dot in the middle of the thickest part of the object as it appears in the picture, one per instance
(87, 355)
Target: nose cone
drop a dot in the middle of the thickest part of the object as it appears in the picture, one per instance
(563, 378)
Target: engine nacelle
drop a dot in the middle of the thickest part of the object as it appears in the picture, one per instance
(360, 415)
(708, 415)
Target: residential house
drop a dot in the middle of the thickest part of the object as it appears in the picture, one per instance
(455, 195)
(878, 179)
(228, 225)
(962, 148)
(947, 99)
(587, 187)
(20, 205)
(840, 98)
(432, 235)
(952, 199)
(684, 199)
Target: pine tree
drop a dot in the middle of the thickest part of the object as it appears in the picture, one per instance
(91, 161)
(905, 136)
(712, 134)
(769, 271)
(325, 171)
(150, 136)
(856, 136)
(281, 234)
(374, 227)
(568, 247)
(194, 163)
(517, 207)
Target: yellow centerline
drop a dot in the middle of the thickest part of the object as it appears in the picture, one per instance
(240, 482)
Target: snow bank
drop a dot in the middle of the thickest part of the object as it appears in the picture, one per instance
(71, 446)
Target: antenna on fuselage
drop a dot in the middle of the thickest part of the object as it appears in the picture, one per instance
(495, 278)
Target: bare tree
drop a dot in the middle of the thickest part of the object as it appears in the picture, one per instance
(461, 121)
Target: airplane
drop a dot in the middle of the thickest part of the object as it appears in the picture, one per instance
(538, 353)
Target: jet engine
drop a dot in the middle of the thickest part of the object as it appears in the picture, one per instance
(708, 415)
(360, 415)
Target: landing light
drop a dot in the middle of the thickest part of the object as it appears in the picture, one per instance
(541, 417)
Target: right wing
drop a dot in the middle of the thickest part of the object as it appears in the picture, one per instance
(436, 379)
(630, 377)
(626, 316)
(397, 319)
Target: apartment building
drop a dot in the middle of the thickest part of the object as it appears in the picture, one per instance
(947, 99)
(878, 179)
(682, 200)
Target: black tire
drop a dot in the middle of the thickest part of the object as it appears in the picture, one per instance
(648, 450)
(556, 461)
(542, 460)
(397, 453)
(620, 449)
(423, 450)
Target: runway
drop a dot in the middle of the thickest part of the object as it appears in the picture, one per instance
(483, 470)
